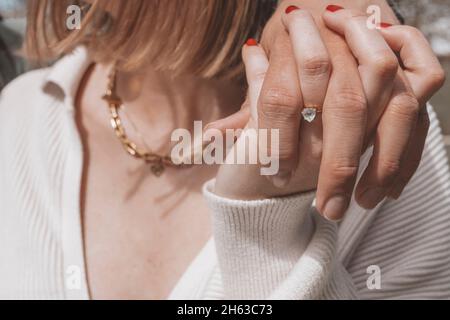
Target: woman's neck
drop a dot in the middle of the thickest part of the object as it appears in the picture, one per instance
(156, 103)
(155, 94)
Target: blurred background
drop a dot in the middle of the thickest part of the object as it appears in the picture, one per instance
(431, 16)
(12, 28)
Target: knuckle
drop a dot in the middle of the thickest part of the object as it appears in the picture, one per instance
(412, 34)
(287, 152)
(389, 170)
(436, 78)
(344, 172)
(316, 66)
(385, 65)
(351, 100)
(405, 106)
(279, 104)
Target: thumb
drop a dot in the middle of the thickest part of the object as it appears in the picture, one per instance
(256, 65)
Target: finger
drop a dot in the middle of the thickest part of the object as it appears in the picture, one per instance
(422, 68)
(279, 107)
(313, 70)
(344, 123)
(256, 65)
(237, 120)
(378, 64)
(393, 136)
(313, 61)
(414, 155)
(426, 76)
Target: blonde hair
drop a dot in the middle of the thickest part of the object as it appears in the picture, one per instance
(203, 37)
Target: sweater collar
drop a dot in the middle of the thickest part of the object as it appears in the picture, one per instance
(66, 74)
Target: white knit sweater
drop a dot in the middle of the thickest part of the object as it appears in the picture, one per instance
(274, 248)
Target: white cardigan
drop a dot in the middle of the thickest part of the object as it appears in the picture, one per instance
(275, 248)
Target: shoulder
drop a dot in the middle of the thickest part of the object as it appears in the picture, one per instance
(27, 81)
(23, 104)
(44, 87)
(23, 90)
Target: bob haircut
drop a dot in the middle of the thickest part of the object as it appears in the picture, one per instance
(201, 37)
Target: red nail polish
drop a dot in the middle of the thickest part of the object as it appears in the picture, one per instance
(385, 25)
(251, 42)
(334, 8)
(291, 8)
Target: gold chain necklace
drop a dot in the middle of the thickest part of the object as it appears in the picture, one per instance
(157, 162)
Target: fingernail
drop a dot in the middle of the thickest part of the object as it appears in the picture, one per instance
(281, 179)
(251, 42)
(335, 208)
(334, 8)
(370, 198)
(385, 25)
(291, 8)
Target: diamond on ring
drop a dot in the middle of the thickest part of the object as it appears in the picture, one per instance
(310, 114)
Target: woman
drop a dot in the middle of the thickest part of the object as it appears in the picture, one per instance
(82, 219)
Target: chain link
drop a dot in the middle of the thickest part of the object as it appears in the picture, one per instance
(157, 162)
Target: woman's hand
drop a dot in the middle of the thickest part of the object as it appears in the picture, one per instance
(353, 107)
(402, 129)
(281, 93)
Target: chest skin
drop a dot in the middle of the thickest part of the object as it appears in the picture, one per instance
(137, 245)
(140, 232)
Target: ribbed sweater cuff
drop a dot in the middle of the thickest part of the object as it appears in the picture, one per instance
(258, 242)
